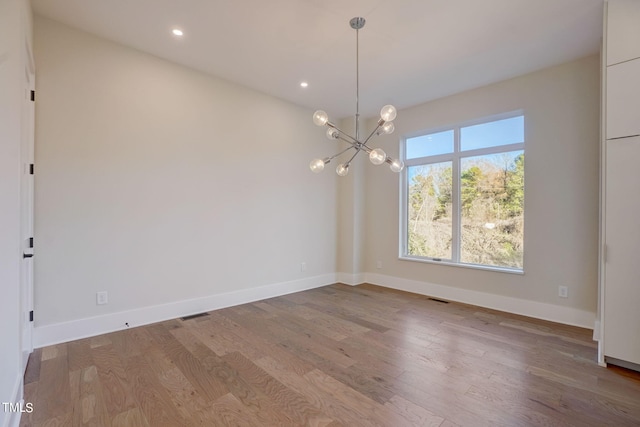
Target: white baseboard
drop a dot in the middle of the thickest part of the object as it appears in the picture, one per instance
(350, 279)
(596, 330)
(82, 328)
(538, 310)
(597, 336)
(12, 419)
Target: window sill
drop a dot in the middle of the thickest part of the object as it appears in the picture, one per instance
(456, 264)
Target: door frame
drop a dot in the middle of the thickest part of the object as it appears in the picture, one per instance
(27, 144)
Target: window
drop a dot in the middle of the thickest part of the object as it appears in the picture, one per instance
(463, 195)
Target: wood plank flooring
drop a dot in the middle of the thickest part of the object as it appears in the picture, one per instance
(334, 356)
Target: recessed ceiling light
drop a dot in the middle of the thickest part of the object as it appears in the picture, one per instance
(177, 32)
(304, 84)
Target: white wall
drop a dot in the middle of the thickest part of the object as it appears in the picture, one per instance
(561, 108)
(151, 185)
(161, 185)
(14, 33)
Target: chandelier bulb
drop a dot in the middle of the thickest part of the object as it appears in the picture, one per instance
(320, 118)
(342, 169)
(388, 127)
(377, 156)
(316, 165)
(396, 165)
(332, 133)
(388, 113)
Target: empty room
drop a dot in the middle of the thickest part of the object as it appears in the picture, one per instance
(303, 213)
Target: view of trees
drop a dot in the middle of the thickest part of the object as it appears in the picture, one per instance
(491, 206)
(430, 204)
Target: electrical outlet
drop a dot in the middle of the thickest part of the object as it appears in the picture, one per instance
(563, 291)
(303, 266)
(378, 264)
(102, 298)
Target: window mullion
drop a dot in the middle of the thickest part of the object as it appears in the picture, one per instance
(404, 211)
(455, 195)
(493, 150)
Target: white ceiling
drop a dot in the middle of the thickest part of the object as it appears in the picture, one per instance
(411, 51)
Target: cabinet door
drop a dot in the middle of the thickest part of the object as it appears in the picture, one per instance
(622, 267)
(623, 31)
(623, 99)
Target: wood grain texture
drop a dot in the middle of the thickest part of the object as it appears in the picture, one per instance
(334, 356)
(116, 386)
(295, 406)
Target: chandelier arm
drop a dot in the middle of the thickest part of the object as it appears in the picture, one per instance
(328, 159)
(351, 139)
(357, 145)
(374, 131)
(348, 138)
(348, 141)
(353, 157)
(366, 148)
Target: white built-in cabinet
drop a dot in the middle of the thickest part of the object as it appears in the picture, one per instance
(623, 98)
(620, 261)
(622, 264)
(623, 31)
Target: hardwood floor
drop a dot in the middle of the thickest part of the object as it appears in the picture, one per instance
(338, 355)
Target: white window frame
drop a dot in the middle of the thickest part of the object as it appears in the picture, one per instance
(455, 158)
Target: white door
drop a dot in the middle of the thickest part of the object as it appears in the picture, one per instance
(27, 189)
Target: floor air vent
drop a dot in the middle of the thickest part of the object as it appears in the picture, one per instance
(439, 300)
(194, 316)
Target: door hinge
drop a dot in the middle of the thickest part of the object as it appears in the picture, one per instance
(33, 95)
(31, 169)
(31, 316)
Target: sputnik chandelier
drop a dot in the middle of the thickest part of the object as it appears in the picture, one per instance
(385, 125)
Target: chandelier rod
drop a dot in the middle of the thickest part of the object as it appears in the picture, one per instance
(357, 26)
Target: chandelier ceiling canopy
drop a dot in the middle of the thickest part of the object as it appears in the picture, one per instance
(384, 126)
